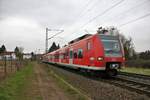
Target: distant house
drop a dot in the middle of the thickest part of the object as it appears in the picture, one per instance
(9, 55)
(12, 55)
(27, 56)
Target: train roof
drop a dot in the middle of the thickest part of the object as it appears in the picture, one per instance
(80, 38)
(71, 42)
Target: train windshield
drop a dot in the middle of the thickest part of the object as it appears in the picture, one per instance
(111, 46)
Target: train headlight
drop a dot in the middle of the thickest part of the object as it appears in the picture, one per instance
(100, 58)
(92, 58)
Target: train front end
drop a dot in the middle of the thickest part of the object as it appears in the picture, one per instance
(113, 52)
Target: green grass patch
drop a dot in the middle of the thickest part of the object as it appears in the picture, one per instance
(144, 71)
(12, 87)
(72, 92)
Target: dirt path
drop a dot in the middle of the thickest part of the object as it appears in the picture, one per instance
(43, 86)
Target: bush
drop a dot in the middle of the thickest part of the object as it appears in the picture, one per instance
(138, 63)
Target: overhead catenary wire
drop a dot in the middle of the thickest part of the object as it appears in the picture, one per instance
(130, 9)
(105, 11)
(131, 21)
(56, 34)
(100, 14)
(46, 40)
(134, 20)
(79, 15)
(87, 4)
(60, 40)
(88, 9)
(85, 10)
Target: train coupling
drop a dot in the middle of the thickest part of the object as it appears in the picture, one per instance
(114, 66)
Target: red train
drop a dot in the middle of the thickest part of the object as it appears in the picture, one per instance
(102, 51)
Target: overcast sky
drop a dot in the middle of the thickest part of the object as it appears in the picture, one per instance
(23, 22)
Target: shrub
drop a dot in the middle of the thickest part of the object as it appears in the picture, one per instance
(138, 63)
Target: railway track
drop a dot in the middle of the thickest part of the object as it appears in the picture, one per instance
(146, 77)
(135, 82)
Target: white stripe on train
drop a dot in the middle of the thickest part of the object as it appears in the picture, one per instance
(74, 66)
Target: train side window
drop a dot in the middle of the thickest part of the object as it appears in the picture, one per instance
(75, 55)
(80, 53)
(56, 56)
(71, 54)
(88, 46)
(64, 55)
(61, 56)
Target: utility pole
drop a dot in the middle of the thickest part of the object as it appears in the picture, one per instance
(5, 64)
(46, 42)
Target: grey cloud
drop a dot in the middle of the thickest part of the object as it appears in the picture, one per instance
(70, 15)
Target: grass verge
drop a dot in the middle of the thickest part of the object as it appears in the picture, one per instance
(71, 91)
(144, 71)
(12, 87)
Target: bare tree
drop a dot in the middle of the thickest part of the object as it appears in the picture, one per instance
(128, 47)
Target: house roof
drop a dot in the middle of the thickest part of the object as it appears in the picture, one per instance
(7, 53)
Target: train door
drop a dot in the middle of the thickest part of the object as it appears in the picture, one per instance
(71, 56)
(60, 56)
(53, 58)
(89, 55)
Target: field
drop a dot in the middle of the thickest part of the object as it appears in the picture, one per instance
(11, 88)
(36, 82)
(7, 67)
(137, 70)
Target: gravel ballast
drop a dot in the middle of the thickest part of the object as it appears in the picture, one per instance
(97, 90)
